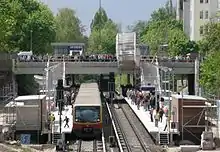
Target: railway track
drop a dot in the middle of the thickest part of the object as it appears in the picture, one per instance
(89, 145)
(132, 136)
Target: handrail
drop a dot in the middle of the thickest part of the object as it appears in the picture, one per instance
(115, 130)
(103, 141)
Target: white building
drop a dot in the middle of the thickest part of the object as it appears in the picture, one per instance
(195, 14)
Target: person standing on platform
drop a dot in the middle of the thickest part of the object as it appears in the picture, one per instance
(147, 103)
(133, 97)
(161, 112)
(152, 100)
(158, 102)
(151, 114)
(156, 117)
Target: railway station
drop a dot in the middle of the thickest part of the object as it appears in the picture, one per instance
(80, 103)
(59, 94)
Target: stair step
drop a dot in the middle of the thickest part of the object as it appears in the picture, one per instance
(56, 137)
(163, 138)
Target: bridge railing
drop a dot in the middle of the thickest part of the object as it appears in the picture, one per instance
(67, 60)
(150, 58)
(68, 64)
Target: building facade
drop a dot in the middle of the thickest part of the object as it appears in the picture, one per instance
(195, 15)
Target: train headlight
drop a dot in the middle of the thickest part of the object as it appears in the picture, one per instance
(98, 119)
(77, 120)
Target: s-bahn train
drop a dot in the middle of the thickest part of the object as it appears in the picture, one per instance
(87, 111)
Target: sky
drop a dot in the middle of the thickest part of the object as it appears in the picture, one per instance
(123, 12)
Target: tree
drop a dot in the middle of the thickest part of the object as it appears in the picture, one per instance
(68, 26)
(209, 45)
(211, 39)
(33, 20)
(9, 24)
(103, 39)
(210, 73)
(164, 13)
(139, 28)
(103, 33)
(162, 29)
(21, 21)
(99, 20)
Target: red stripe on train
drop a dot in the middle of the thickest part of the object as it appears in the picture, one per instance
(78, 126)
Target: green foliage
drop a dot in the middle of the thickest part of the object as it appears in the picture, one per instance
(210, 73)
(121, 81)
(20, 18)
(211, 39)
(68, 27)
(103, 33)
(103, 39)
(99, 20)
(209, 46)
(165, 32)
(139, 28)
(162, 29)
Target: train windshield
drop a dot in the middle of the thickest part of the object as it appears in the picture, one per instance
(87, 114)
(148, 88)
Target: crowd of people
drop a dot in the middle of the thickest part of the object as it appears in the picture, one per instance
(93, 58)
(73, 58)
(150, 102)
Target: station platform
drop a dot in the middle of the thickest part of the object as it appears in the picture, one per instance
(144, 117)
(66, 112)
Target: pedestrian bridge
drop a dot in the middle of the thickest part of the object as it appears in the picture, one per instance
(70, 67)
(98, 67)
(177, 66)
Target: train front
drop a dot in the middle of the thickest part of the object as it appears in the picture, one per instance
(87, 121)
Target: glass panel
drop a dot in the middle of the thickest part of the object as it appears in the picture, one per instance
(148, 88)
(87, 114)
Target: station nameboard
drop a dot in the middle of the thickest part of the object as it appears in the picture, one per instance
(66, 48)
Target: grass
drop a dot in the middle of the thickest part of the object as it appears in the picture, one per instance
(123, 80)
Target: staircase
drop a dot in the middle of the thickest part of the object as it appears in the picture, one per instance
(56, 137)
(126, 51)
(163, 138)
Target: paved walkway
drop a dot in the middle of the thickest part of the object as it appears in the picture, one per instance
(66, 112)
(144, 116)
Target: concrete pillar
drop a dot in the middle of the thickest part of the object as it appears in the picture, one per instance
(197, 67)
(191, 84)
(111, 85)
(67, 80)
(134, 80)
(73, 79)
(128, 79)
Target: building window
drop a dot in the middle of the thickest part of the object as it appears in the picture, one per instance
(206, 1)
(201, 1)
(201, 14)
(201, 30)
(206, 14)
(206, 29)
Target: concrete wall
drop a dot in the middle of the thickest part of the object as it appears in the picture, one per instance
(71, 67)
(32, 116)
(28, 118)
(5, 62)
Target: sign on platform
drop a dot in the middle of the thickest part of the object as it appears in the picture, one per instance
(25, 138)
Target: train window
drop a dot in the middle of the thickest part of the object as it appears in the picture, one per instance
(87, 114)
(148, 88)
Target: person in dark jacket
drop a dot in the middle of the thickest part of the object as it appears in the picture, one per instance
(67, 121)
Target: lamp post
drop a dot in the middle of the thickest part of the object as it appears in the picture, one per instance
(48, 94)
(31, 44)
(100, 33)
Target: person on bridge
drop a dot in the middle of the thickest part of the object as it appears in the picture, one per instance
(67, 121)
